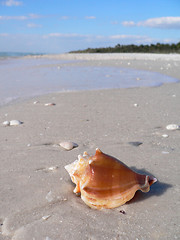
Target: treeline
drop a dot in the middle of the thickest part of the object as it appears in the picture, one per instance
(153, 48)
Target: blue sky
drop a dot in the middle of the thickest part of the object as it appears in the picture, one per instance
(57, 26)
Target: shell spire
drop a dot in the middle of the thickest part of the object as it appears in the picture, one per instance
(104, 181)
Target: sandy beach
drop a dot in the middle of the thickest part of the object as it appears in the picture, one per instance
(36, 194)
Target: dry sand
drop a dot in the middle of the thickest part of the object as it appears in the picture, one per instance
(39, 204)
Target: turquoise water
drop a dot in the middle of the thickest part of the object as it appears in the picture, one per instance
(16, 54)
(25, 77)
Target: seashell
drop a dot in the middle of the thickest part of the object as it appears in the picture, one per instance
(49, 197)
(6, 123)
(15, 122)
(136, 105)
(46, 217)
(53, 168)
(172, 127)
(68, 145)
(49, 104)
(104, 181)
(165, 136)
(164, 152)
(47, 238)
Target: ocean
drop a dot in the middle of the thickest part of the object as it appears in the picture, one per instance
(21, 78)
(5, 55)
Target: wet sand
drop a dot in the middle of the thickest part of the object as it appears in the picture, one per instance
(37, 201)
(33, 76)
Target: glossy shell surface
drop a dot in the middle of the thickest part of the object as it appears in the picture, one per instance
(68, 145)
(104, 181)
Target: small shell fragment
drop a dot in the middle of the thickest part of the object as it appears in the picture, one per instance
(49, 104)
(165, 136)
(172, 127)
(53, 168)
(12, 123)
(68, 145)
(47, 238)
(6, 123)
(15, 122)
(46, 217)
(35, 102)
(49, 197)
(164, 152)
(136, 105)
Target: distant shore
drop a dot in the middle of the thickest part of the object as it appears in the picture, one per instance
(132, 48)
(114, 56)
(163, 63)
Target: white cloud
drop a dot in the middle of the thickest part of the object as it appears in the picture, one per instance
(33, 25)
(90, 17)
(21, 18)
(13, 17)
(34, 16)
(100, 36)
(131, 38)
(137, 39)
(64, 35)
(122, 36)
(64, 18)
(128, 23)
(10, 3)
(161, 22)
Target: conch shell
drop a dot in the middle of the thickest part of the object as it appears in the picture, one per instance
(104, 181)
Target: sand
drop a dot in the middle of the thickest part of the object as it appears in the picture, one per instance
(38, 203)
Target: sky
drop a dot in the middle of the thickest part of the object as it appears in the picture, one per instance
(58, 26)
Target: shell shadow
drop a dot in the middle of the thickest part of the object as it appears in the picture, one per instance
(157, 189)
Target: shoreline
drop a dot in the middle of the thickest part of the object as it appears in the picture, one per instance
(112, 56)
(57, 66)
(37, 199)
(167, 64)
